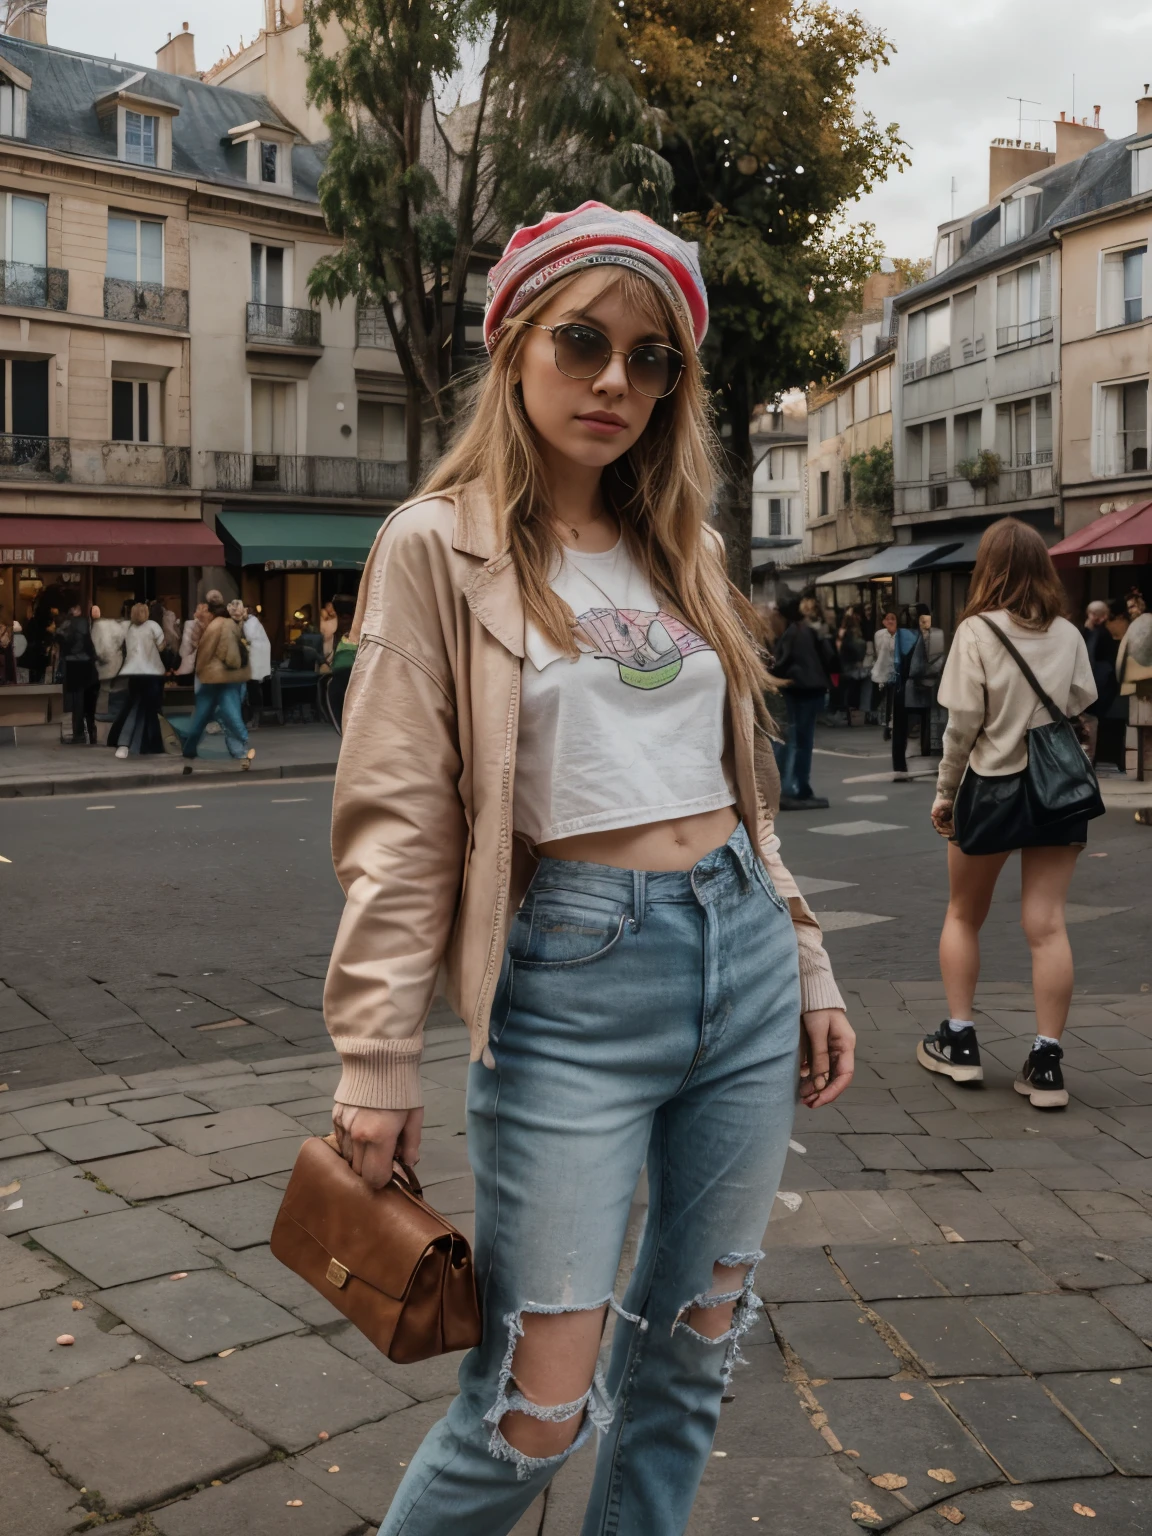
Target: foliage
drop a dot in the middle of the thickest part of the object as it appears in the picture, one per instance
(760, 127)
(872, 478)
(913, 269)
(981, 471)
(414, 190)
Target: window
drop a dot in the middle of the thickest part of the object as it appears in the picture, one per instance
(929, 349)
(964, 324)
(883, 391)
(131, 416)
(141, 132)
(1018, 216)
(269, 161)
(948, 248)
(24, 397)
(1024, 432)
(135, 249)
(844, 411)
(25, 230)
(779, 517)
(273, 419)
(13, 111)
(828, 421)
(862, 401)
(1142, 169)
(1024, 304)
(1122, 287)
(966, 436)
(268, 266)
(1122, 428)
(380, 432)
(825, 493)
(937, 450)
(845, 487)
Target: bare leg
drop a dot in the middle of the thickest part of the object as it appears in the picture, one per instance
(1046, 874)
(552, 1366)
(971, 881)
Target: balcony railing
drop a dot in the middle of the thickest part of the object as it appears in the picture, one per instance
(372, 328)
(33, 287)
(915, 369)
(289, 327)
(290, 474)
(143, 465)
(145, 303)
(1024, 334)
(35, 458)
(955, 493)
(941, 361)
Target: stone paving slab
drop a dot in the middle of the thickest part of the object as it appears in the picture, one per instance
(430, 1379)
(1132, 1304)
(833, 1339)
(54, 1117)
(13, 1147)
(167, 1106)
(198, 1316)
(34, 1501)
(152, 1175)
(108, 1137)
(905, 1434)
(1024, 1430)
(23, 1275)
(135, 1436)
(946, 1338)
(271, 1089)
(1060, 1333)
(288, 1390)
(239, 1216)
(984, 1269)
(232, 1128)
(1082, 1266)
(262, 1158)
(798, 1274)
(972, 1216)
(879, 1273)
(32, 1361)
(371, 1459)
(765, 1413)
(1122, 1506)
(63, 1194)
(256, 1268)
(1115, 1409)
(257, 1505)
(124, 1246)
(30, 1165)
(739, 1489)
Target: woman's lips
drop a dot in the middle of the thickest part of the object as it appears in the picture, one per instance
(603, 423)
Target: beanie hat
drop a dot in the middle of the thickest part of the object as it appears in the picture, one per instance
(594, 235)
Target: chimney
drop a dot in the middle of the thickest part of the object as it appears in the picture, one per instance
(178, 55)
(1074, 139)
(1144, 113)
(28, 19)
(1011, 160)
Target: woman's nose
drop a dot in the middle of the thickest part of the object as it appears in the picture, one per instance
(613, 380)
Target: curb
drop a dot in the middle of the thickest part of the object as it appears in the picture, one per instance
(27, 789)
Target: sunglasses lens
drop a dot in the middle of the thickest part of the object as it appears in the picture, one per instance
(581, 351)
(654, 370)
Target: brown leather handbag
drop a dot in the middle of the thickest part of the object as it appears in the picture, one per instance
(394, 1267)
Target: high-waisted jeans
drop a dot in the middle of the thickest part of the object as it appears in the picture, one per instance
(639, 1018)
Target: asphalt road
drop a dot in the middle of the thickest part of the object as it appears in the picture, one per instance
(121, 885)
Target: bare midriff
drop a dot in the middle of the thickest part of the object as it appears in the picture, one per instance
(677, 844)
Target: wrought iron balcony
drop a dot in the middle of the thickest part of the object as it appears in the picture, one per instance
(291, 474)
(33, 287)
(145, 303)
(1024, 334)
(35, 458)
(372, 328)
(289, 327)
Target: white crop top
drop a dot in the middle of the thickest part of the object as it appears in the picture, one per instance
(630, 732)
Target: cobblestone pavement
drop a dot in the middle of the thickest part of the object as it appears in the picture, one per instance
(957, 1287)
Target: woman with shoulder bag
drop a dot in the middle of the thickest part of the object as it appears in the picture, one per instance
(222, 668)
(534, 790)
(1012, 776)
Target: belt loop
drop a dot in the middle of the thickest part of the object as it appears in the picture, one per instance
(744, 857)
(639, 898)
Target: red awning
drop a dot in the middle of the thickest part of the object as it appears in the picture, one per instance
(1118, 538)
(106, 541)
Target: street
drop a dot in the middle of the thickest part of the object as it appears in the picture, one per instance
(958, 1289)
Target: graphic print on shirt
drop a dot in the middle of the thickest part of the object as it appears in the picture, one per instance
(648, 648)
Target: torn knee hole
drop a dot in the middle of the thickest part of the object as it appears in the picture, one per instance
(724, 1313)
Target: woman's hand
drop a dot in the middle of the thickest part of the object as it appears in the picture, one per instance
(370, 1139)
(827, 1055)
(942, 816)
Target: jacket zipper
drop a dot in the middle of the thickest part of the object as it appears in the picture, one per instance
(484, 1000)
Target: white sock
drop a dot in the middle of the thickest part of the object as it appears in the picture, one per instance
(1043, 1040)
(956, 1025)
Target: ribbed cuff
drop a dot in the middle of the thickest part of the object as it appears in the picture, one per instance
(380, 1074)
(818, 987)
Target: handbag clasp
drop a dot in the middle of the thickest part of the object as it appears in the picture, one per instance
(337, 1274)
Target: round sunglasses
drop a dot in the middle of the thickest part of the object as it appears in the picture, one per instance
(583, 352)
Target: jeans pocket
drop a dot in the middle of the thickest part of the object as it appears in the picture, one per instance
(559, 930)
(770, 890)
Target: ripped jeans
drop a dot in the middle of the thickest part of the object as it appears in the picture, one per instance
(639, 1018)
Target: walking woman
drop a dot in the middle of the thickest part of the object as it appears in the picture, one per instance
(535, 789)
(991, 706)
(136, 729)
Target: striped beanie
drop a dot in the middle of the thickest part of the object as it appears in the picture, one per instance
(594, 235)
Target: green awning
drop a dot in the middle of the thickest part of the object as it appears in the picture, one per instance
(297, 540)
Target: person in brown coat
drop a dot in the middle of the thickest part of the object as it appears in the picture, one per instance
(222, 668)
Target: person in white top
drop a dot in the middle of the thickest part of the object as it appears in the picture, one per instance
(136, 728)
(883, 667)
(259, 655)
(991, 707)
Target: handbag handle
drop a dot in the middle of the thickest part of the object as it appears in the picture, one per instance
(409, 1178)
(1058, 715)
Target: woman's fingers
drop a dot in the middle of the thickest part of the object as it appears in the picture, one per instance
(408, 1145)
(827, 1056)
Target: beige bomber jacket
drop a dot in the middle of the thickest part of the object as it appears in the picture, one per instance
(422, 808)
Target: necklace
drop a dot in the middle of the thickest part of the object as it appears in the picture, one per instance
(575, 532)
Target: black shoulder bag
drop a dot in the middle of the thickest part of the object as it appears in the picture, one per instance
(995, 813)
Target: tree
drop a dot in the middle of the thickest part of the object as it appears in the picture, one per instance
(414, 190)
(757, 111)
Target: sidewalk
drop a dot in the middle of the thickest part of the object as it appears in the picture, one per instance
(957, 1289)
(51, 768)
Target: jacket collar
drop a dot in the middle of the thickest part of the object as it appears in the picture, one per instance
(493, 590)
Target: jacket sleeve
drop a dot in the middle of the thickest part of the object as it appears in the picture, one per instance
(398, 830)
(963, 695)
(818, 987)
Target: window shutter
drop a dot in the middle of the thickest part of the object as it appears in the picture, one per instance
(1006, 301)
(1045, 288)
(1112, 289)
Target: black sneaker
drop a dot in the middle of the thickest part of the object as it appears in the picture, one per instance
(956, 1054)
(1042, 1080)
(803, 803)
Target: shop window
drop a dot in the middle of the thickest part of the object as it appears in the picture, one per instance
(132, 412)
(25, 229)
(269, 270)
(380, 432)
(24, 396)
(135, 249)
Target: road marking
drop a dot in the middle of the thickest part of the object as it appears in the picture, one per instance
(857, 757)
(299, 800)
(3, 860)
(99, 807)
(187, 807)
(830, 922)
(866, 799)
(858, 828)
(809, 885)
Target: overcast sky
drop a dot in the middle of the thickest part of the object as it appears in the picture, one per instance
(957, 63)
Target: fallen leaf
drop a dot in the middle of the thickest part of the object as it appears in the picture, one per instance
(65, 1338)
(224, 1353)
(1021, 1503)
(905, 1397)
(199, 1383)
(295, 1504)
(862, 1511)
(16, 1205)
(3, 1087)
(1115, 1380)
(889, 1480)
(953, 1515)
(942, 1474)
(951, 1235)
(217, 1482)
(323, 1435)
(137, 1357)
(720, 1454)
(1107, 1257)
(1082, 1509)
(333, 1469)
(789, 1198)
(181, 1275)
(10, 1189)
(77, 1306)
(1032, 1131)
(852, 1453)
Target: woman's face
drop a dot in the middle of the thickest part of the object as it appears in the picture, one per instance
(590, 422)
(890, 623)
(925, 622)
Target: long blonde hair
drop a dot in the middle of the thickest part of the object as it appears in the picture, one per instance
(660, 491)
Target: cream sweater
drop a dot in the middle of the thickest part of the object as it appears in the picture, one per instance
(991, 704)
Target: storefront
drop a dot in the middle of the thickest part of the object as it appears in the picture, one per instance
(1109, 558)
(289, 564)
(897, 577)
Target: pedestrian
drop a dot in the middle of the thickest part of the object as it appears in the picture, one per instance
(925, 667)
(190, 640)
(136, 728)
(259, 659)
(883, 668)
(557, 600)
(991, 707)
(222, 668)
(7, 651)
(855, 665)
(1101, 649)
(1135, 603)
(797, 669)
(329, 626)
(77, 653)
(903, 644)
